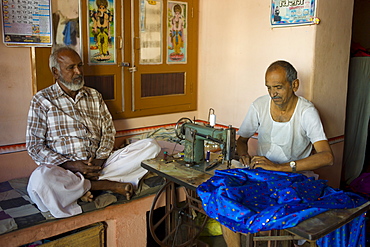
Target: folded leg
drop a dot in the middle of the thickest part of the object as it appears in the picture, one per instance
(57, 190)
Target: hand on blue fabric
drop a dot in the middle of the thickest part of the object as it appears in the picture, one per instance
(264, 163)
(245, 160)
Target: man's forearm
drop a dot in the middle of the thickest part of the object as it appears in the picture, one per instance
(322, 157)
(43, 155)
(314, 161)
(310, 163)
(242, 146)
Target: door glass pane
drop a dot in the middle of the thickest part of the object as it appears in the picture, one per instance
(150, 32)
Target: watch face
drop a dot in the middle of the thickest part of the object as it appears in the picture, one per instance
(293, 166)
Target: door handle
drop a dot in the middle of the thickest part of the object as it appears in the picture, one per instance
(132, 69)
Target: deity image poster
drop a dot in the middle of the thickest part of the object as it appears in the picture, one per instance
(101, 38)
(177, 32)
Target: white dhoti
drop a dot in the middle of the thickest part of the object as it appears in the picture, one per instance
(57, 190)
(124, 164)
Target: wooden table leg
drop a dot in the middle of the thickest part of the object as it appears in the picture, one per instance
(313, 244)
(246, 240)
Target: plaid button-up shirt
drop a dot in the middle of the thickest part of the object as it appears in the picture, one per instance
(61, 129)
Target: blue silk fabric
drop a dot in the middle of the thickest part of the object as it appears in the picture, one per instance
(253, 200)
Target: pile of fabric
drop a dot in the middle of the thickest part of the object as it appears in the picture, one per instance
(253, 200)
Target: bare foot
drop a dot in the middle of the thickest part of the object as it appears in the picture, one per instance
(126, 189)
(87, 197)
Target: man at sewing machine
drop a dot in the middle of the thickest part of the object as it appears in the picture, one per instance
(287, 125)
(70, 135)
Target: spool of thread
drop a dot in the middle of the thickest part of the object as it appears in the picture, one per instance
(208, 156)
(212, 120)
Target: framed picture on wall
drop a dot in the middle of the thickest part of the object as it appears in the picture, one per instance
(177, 32)
(292, 13)
(101, 32)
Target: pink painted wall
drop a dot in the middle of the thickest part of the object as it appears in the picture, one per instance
(236, 44)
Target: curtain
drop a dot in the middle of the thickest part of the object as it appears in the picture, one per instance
(357, 117)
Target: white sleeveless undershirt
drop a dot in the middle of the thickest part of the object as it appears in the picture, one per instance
(282, 142)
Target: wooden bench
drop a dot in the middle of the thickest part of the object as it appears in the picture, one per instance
(125, 220)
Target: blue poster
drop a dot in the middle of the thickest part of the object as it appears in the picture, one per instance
(293, 12)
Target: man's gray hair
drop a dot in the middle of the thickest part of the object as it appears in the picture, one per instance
(291, 72)
(53, 58)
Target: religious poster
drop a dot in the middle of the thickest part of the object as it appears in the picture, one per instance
(177, 32)
(102, 32)
(27, 22)
(292, 12)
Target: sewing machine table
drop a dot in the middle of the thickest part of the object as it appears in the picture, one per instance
(310, 229)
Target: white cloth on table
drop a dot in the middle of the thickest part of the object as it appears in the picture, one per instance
(57, 190)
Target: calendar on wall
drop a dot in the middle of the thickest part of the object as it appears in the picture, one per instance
(293, 12)
(27, 22)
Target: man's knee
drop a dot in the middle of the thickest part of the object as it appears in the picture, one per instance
(41, 173)
(148, 145)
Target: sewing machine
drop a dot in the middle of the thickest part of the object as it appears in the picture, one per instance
(195, 135)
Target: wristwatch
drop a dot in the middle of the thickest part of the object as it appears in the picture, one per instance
(293, 166)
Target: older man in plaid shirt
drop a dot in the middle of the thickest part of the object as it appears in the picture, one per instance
(70, 135)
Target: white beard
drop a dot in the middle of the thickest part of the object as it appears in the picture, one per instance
(71, 85)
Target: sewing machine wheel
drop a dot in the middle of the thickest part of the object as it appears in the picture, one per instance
(179, 130)
(183, 219)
